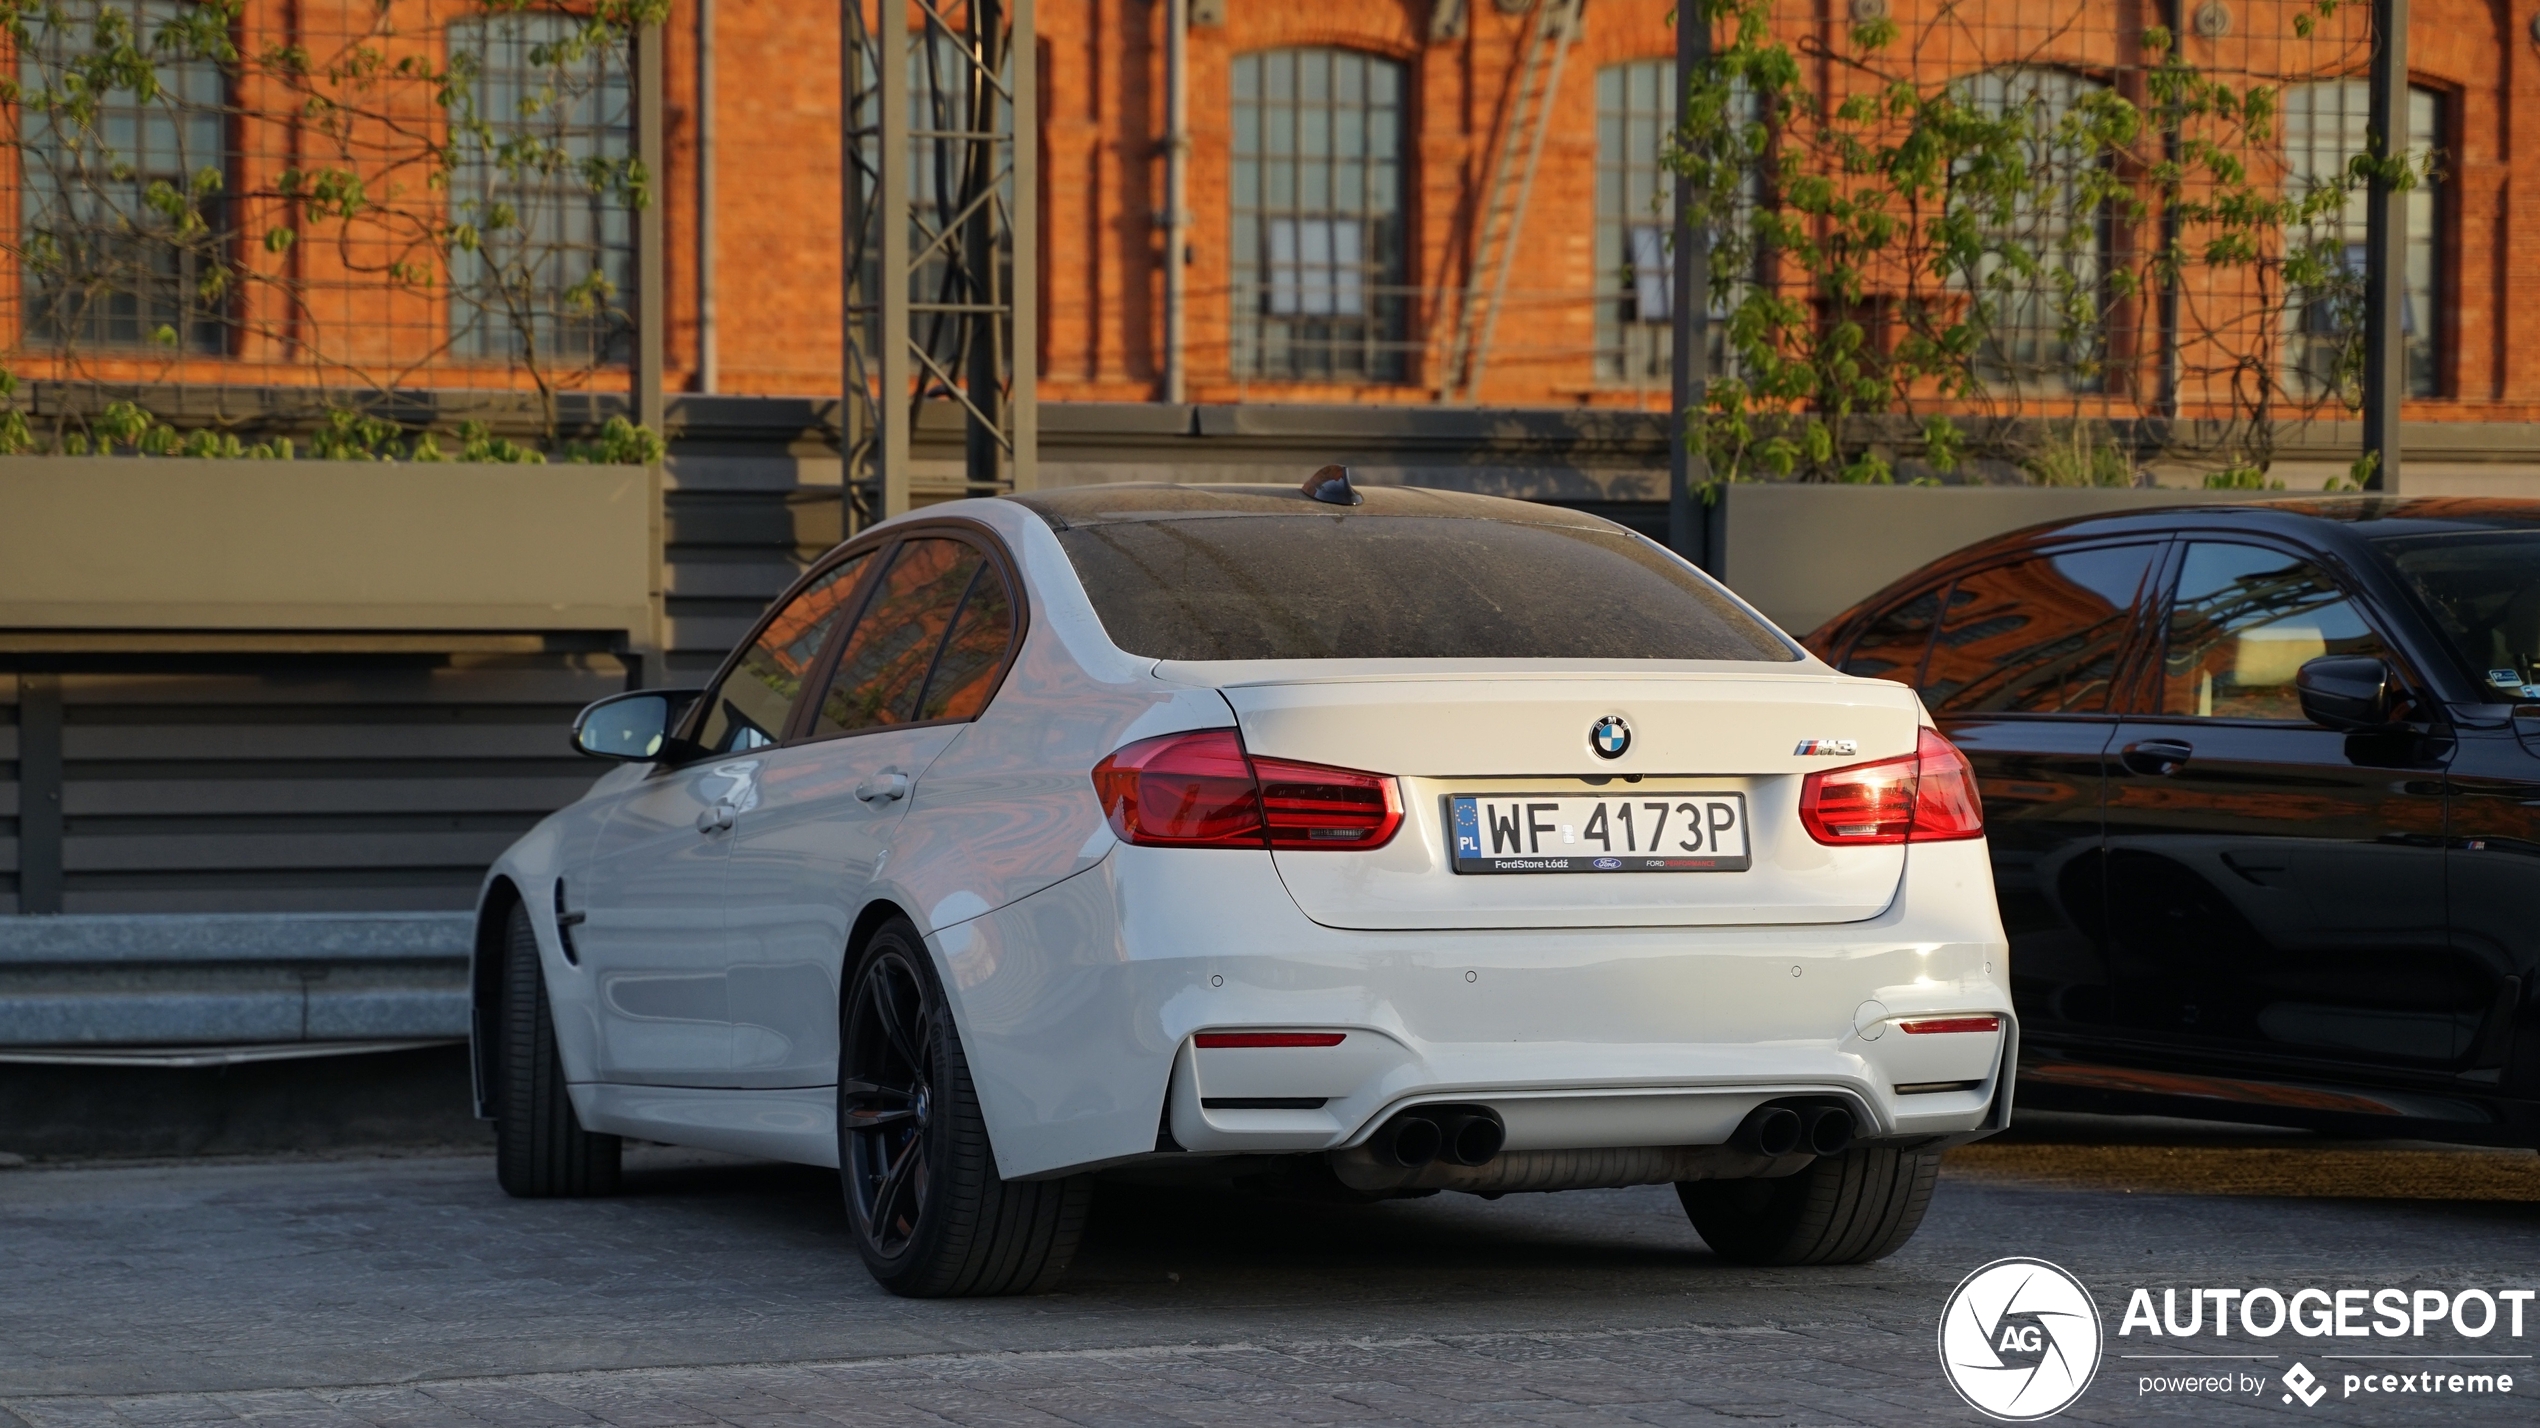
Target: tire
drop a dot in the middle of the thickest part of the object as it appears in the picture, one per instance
(928, 1211)
(1851, 1208)
(540, 1148)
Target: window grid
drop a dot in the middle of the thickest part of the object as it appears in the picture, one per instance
(1635, 228)
(2325, 126)
(102, 267)
(2044, 333)
(1319, 258)
(531, 281)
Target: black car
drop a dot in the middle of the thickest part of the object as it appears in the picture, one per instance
(2262, 784)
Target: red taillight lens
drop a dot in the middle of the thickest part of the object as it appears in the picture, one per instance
(1190, 790)
(1215, 1040)
(1200, 790)
(1311, 806)
(1947, 806)
(1928, 796)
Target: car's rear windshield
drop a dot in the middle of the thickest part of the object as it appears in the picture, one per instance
(2484, 590)
(1401, 587)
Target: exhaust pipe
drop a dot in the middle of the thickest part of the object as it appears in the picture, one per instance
(1829, 1130)
(1409, 1140)
(1471, 1137)
(1771, 1130)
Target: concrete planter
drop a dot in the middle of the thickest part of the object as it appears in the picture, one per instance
(1804, 554)
(95, 544)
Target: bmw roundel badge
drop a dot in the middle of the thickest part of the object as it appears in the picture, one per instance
(1610, 737)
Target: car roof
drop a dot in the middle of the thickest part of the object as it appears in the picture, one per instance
(2329, 520)
(1071, 506)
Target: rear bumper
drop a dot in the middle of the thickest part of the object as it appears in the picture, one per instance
(1078, 1008)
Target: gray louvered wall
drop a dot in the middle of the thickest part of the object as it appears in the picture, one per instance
(267, 783)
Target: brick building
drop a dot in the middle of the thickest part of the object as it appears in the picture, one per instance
(1340, 154)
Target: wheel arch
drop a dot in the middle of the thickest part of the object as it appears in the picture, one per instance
(484, 996)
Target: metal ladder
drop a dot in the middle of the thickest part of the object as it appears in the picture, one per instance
(1512, 183)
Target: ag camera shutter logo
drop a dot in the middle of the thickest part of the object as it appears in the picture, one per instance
(2020, 1340)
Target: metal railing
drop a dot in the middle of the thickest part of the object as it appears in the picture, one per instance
(213, 989)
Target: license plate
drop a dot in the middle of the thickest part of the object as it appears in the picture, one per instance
(1598, 833)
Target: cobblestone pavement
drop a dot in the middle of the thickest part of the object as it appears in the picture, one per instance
(409, 1293)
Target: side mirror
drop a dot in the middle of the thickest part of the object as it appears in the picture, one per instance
(2351, 693)
(631, 728)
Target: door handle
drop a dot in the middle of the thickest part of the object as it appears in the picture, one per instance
(883, 788)
(717, 819)
(2157, 757)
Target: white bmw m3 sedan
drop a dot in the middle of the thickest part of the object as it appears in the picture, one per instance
(1352, 842)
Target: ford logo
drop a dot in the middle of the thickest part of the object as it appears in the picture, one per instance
(1606, 865)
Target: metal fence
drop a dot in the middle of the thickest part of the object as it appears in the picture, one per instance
(336, 200)
(2062, 209)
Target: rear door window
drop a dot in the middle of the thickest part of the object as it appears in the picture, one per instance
(2036, 636)
(1228, 587)
(930, 644)
(748, 710)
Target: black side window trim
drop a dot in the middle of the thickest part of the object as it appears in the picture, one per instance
(690, 724)
(798, 726)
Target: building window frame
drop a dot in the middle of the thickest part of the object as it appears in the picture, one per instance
(2024, 347)
(2319, 326)
(1320, 197)
(101, 265)
(563, 276)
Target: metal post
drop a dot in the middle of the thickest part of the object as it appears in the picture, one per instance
(1686, 469)
(40, 793)
(651, 287)
(709, 355)
(1177, 163)
(1023, 223)
(893, 410)
(2386, 246)
(982, 434)
(855, 386)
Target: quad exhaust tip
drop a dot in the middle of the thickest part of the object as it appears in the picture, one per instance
(1777, 1129)
(1458, 1135)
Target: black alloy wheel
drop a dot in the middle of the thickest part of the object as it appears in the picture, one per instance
(930, 1214)
(886, 1098)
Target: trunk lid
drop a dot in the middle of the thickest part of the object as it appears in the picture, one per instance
(1500, 732)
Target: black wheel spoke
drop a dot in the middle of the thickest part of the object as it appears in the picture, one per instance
(893, 1025)
(872, 1106)
(895, 1186)
(885, 1061)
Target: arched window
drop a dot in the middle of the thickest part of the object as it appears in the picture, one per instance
(2044, 329)
(1319, 237)
(2325, 126)
(1635, 225)
(102, 264)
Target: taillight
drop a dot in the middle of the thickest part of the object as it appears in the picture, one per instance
(1200, 790)
(1182, 791)
(1311, 806)
(1927, 796)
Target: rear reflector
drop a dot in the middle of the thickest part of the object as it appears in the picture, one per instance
(1201, 790)
(1951, 1023)
(1222, 1040)
(1927, 796)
